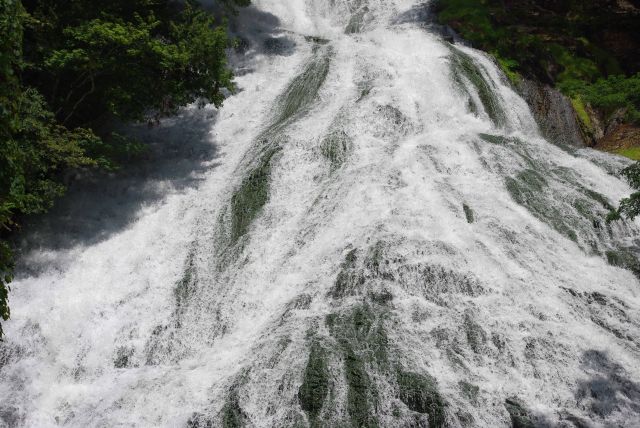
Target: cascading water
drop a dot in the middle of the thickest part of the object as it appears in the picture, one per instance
(384, 239)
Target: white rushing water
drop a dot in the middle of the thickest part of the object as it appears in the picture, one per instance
(381, 238)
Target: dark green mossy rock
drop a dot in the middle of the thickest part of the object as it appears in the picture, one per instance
(361, 329)
(625, 259)
(232, 414)
(252, 195)
(420, 394)
(463, 67)
(199, 420)
(599, 198)
(356, 23)
(315, 383)
(468, 213)
(316, 40)
(469, 391)
(476, 336)
(494, 139)
(185, 288)
(335, 148)
(304, 88)
(364, 345)
(527, 189)
(361, 394)
(123, 357)
(348, 277)
(520, 417)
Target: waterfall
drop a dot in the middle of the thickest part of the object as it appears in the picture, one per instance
(378, 236)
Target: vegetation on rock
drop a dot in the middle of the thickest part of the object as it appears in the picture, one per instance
(587, 49)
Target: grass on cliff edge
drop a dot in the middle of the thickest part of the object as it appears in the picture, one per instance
(632, 153)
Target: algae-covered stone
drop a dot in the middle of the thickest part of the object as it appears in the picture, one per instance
(476, 336)
(528, 190)
(335, 147)
(469, 391)
(625, 259)
(361, 394)
(232, 414)
(252, 195)
(520, 417)
(348, 277)
(305, 87)
(420, 394)
(468, 213)
(464, 67)
(315, 384)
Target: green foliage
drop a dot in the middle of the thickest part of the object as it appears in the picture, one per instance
(35, 149)
(553, 46)
(632, 175)
(68, 67)
(11, 15)
(632, 153)
(609, 95)
(581, 111)
(629, 207)
(509, 67)
(125, 58)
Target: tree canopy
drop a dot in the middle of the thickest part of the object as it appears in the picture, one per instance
(68, 68)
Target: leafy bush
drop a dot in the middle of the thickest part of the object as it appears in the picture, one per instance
(629, 207)
(610, 94)
(68, 67)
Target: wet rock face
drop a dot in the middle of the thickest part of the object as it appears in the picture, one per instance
(553, 112)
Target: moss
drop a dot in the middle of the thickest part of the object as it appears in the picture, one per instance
(364, 346)
(199, 420)
(632, 153)
(494, 139)
(123, 357)
(315, 384)
(527, 189)
(252, 195)
(476, 337)
(185, 287)
(597, 197)
(316, 40)
(463, 67)
(581, 112)
(361, 391)
(519, 414)
(468, 213)
(469, 391)
(356, 23)
(232, 414)
(304, 88)
(335, 148)
(508, 67)
(625, 259)
(420, 394)
(348, 277)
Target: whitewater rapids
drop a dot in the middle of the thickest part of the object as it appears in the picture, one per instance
(380, 237)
